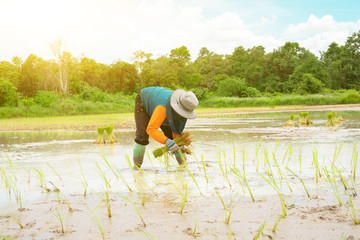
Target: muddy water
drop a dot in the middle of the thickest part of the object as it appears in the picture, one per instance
(225, 139)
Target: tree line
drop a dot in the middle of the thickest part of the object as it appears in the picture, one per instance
(244, 73)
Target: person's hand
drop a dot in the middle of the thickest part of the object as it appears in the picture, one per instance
(172, 146)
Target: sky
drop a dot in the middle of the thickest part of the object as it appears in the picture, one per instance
(112, 30)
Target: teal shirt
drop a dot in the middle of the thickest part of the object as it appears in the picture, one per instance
(152, 97)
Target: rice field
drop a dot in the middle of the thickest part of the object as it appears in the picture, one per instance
(248, 178)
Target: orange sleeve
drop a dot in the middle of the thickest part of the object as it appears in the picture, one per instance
(157, 118)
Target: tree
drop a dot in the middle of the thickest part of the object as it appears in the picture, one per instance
(140, 57)
(29, 81)
(8, 93)
(310, 65)
(309, 84)
(122, 77)
(180, 56)
(61, 60)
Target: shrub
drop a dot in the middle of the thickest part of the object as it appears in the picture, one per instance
(200, 93)
(44, 98)
(8, 93)
(351, 96)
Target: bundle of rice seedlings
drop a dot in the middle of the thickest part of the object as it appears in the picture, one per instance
(183, 139)
(330, 122)
(111, 137)
(304, 119)
(333, 120)
(290, 122)
(100, 138)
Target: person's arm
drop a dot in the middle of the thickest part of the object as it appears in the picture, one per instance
(157, 118)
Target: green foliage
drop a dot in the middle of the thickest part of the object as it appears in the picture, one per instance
(309, 84)
(45, 99)
(201, 93)
(8, 94)
(236, 88)
(351, 96)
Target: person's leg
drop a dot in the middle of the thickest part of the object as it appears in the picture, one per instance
(141, 138)
(180, 158)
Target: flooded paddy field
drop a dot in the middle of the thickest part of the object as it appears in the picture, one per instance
(248, 177)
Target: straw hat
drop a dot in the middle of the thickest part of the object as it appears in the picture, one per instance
(184, 103)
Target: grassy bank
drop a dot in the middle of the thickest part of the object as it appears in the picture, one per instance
(125, 104)
(347, 97)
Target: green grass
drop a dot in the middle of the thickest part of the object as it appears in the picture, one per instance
(282, 100)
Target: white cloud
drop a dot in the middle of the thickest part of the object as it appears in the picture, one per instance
(318, 33)
(112, 29)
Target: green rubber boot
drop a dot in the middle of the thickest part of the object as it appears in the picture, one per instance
(138, 155)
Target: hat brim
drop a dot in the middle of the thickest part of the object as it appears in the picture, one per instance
(178, 108)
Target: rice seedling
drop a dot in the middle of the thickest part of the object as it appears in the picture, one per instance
(230, 234)
(204, 168)
(257, 155)
(302, 182)
(290, 122)
(6, 238)
(59, 217)
(103, 175)
(149, 157)
(277, 143)
(29, 173)
(196, 160)
(259, 231)
(17, 220)
(353, 162)
(100, 138)
(233, 145)
(352, 211)
(242, 179)
(336, 153)
(111, 168)
(136, 208)
(192, 177)
(123, 180)
(274, 185)
(343, 180)
(267, 165)
(316, 165)
(111, 137)
(99, 223)
(148, 235)
(194, 231)
(17, 194)
(183, 139)
(353, 187)
(41, 177)
(218, 159)
(278, 221)
(183, 191)
(218, 193)
(106, 200)
(83, 180)
(229, 209)
(54, 170)
(300, 156)
(332, 182)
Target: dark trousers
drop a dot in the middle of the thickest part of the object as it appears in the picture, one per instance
(142, 120)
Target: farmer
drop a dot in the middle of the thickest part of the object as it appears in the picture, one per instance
(155, 108)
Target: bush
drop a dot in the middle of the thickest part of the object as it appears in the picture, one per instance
(351, 96)
(309, 84)
(45, 99)
(8, 93)
(93, 94)
(200, 93)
